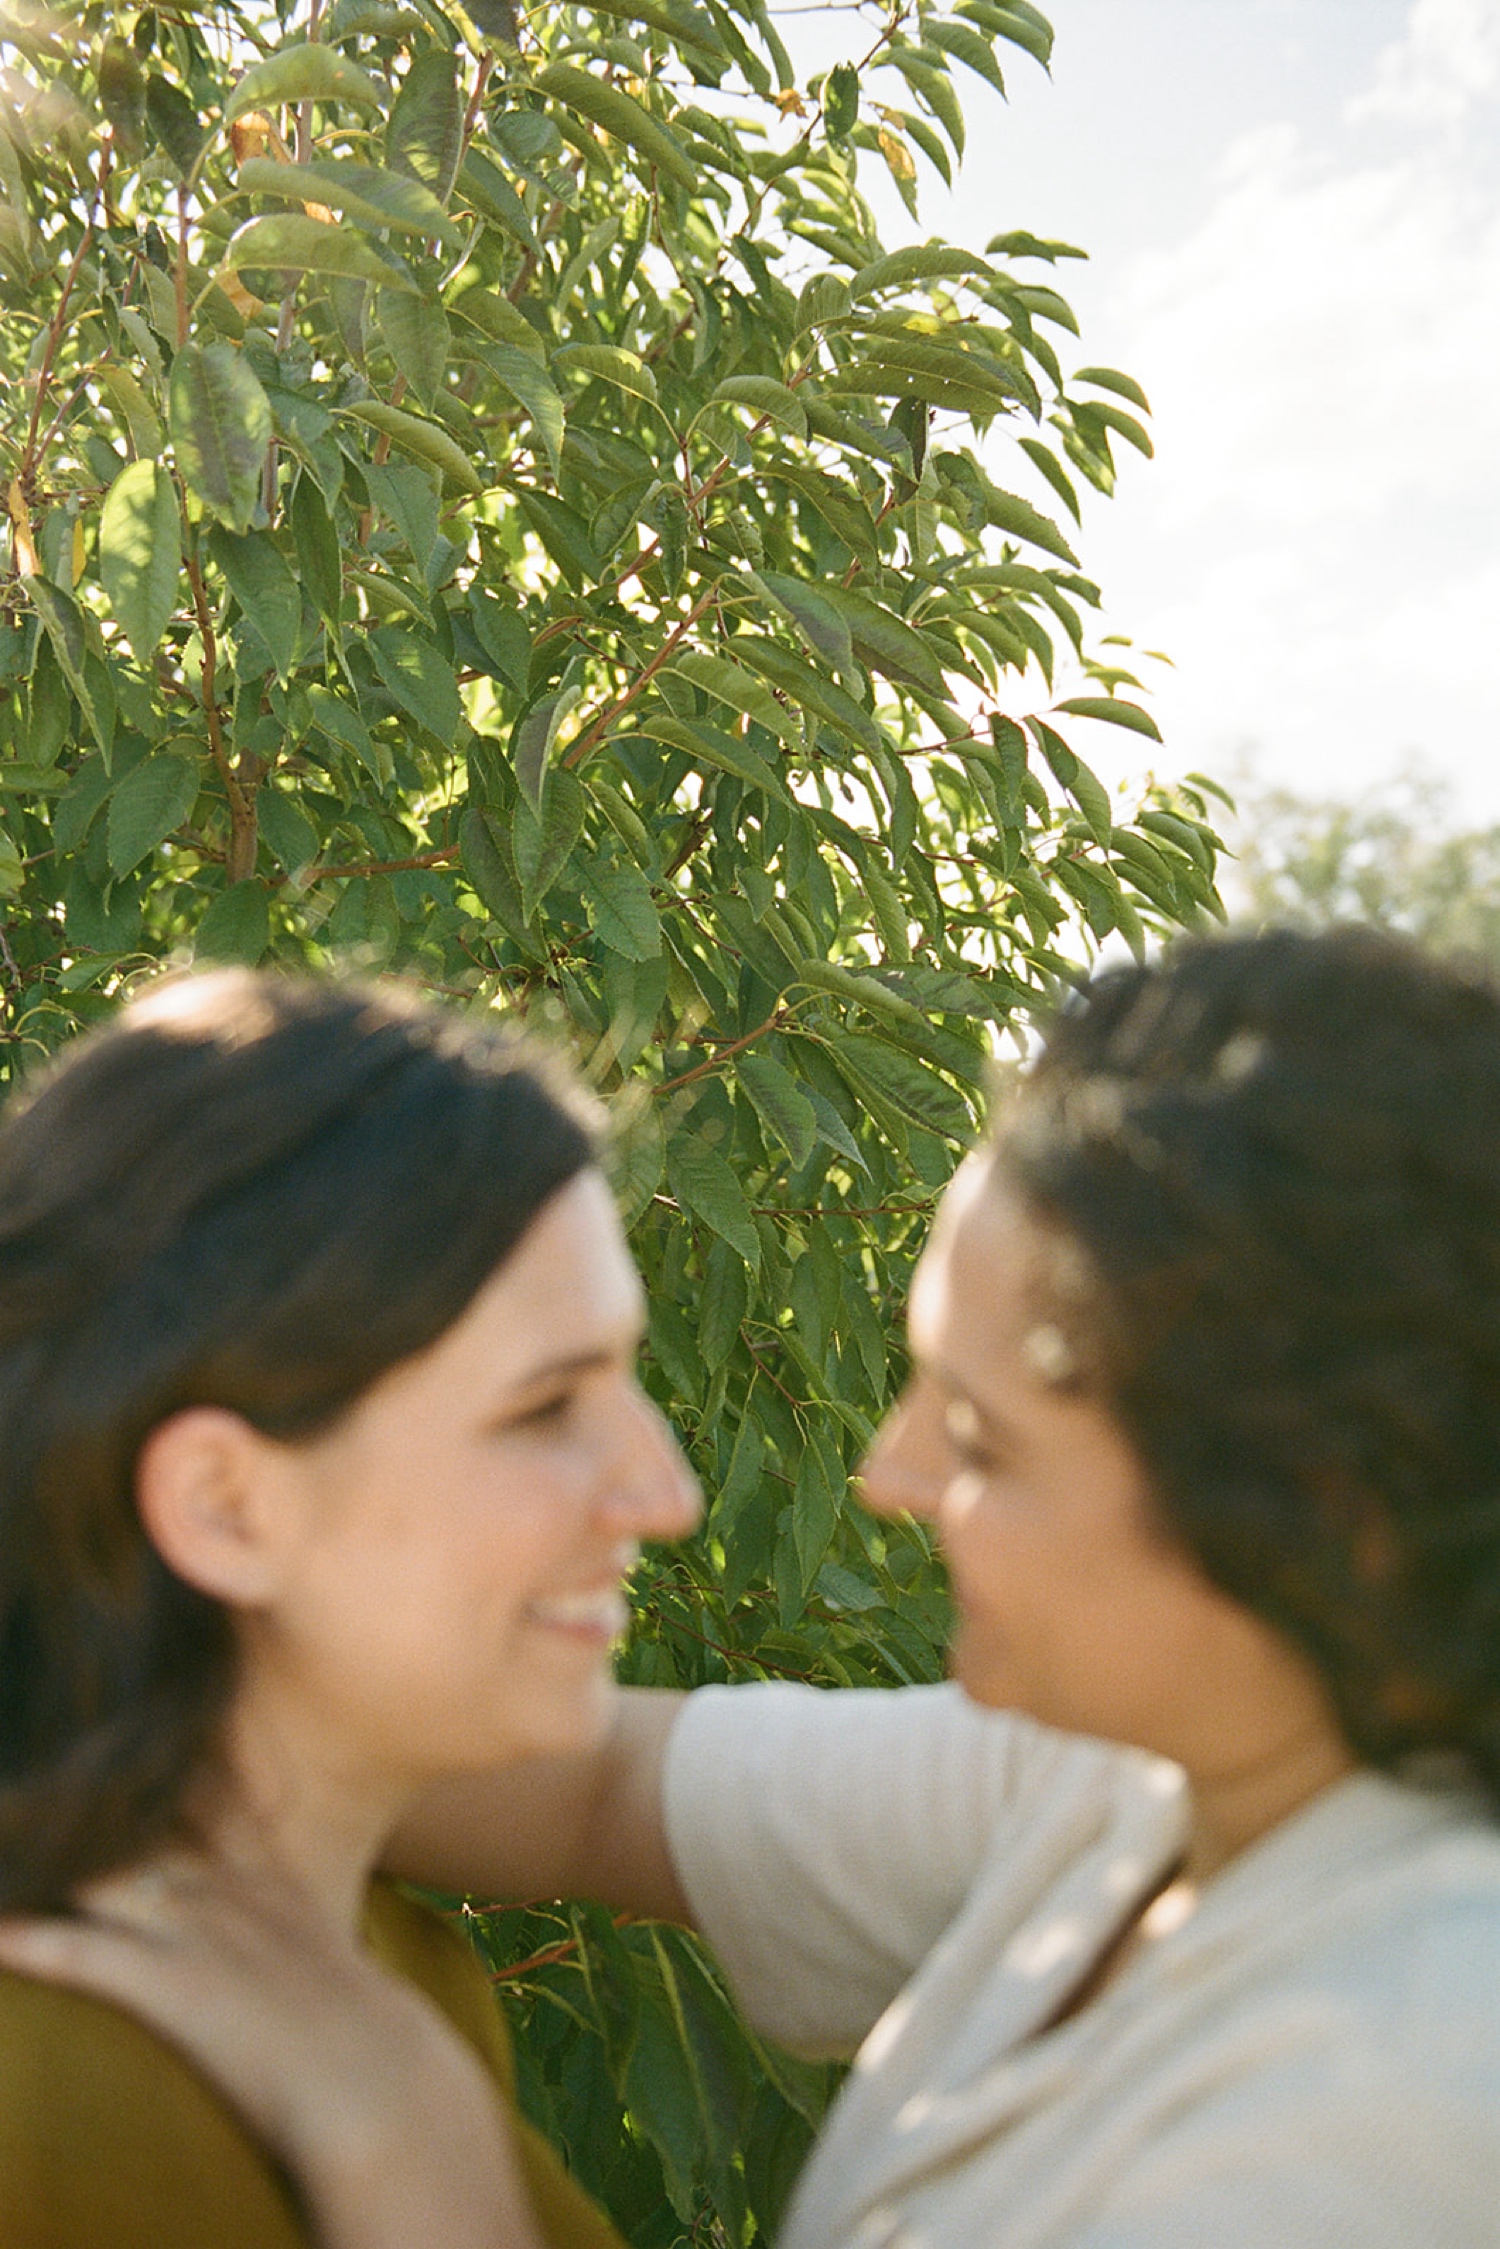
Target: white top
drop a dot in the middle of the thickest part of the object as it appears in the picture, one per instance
(1311, 2062)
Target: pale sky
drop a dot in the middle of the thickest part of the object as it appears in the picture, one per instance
(1293, 214)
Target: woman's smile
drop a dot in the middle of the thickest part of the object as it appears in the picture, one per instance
(596, 1615)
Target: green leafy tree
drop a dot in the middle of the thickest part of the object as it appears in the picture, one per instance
(485, 503)
(1400, 857)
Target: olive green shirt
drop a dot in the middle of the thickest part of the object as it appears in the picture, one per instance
(109, 2139)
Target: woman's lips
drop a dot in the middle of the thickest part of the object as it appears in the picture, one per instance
(600, 1614)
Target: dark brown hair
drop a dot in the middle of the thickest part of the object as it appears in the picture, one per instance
(246, 1191)
(1280, 1157)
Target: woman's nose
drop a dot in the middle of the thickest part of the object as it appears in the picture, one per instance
(657, 1497)
(898, 1475)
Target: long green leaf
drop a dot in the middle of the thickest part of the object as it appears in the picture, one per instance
(319, 559)
(237, 926)
(265, 589)
(808, 689)
(221, 426)
(425, 441)
(710, 745)
(625, 370)
(1110, 378)
(533, 740)
(909, 1086)
(926, 73)
(728, 683)
(487, 863)
(342, 723)
(292, 240)
(958, 39)
(541, 841)
(815, 617)
(417, 337)
(419, 677)
(781, 1103)
(308, 71)
(425, 135)
(365, 193)
(532, 388)
(63, 622)
(773, 401)
(496, 317)
(923, 261)
(155, 797)
(176, 124)
(924, 360)
(1020, 520)
(140, 554)
(623, 911)
(485, 187)
(1114, 711)
(1024, 26)
(704, 1184)
(886, 642)
(881, 377)
(620, 115)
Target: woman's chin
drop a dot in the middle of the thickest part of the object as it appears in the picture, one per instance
(977, 1664)
(559, 1723)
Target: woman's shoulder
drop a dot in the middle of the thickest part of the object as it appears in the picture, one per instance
(415, 1939)
(107, 2134)
(1387, 1899)
(1432, 1943)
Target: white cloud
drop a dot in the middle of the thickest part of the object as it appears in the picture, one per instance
(1448, 56)
(1316, 544)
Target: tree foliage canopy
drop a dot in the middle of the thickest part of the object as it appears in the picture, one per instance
(484, 502)
(1401, 856)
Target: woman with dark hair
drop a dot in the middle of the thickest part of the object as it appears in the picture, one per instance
(1175, 1921)
(321, 1464)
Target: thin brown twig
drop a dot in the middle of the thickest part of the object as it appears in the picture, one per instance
(471, 114)
(760, 1360)
(550, 1954)
(55, 327)
(58, 419)
(837, 1210)
(547, 1958)
(737, 1655)
(594, 734)
(735, 1046)
(413, 865)
(180, 265)
(240, 859)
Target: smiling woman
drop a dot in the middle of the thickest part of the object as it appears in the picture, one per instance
(321, 1465)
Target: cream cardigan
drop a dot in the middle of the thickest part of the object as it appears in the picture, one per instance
(1311, 2062)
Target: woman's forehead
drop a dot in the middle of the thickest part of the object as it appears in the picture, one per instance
(967, 1275)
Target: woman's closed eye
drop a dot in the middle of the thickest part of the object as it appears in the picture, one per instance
(966, 1435)
(549, 1412)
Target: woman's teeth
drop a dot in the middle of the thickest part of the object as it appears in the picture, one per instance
(604, 1611)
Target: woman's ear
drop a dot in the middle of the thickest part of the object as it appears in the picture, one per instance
(209, 1502)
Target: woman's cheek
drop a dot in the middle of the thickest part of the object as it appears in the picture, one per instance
(972, 1541)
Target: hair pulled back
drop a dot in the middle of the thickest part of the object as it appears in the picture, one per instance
(249, 1192)
(1280, 1156)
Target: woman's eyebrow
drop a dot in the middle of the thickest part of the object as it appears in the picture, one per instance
(575, 1363)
